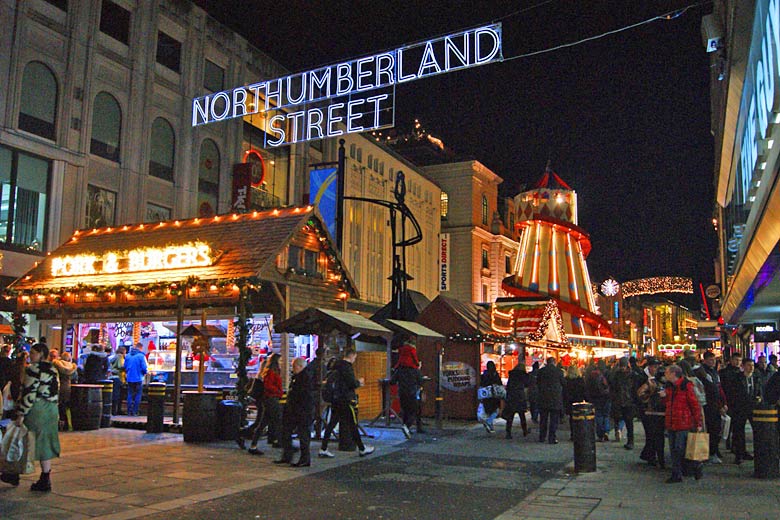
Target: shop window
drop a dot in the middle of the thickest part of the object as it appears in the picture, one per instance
(163, 148)
(168, 52)
(213, 77)
(294, 259)
(445, 204)
(106, 127)
(484, 210)
(208, 179)
(485, 259)
(38, 107)
(155, 213)
(24, 183)
(115, 21)
(101, 207)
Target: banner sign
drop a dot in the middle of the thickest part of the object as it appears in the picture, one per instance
(242, 181)
(458, 376)
(444, 262)
(324, 187)
(352, 96)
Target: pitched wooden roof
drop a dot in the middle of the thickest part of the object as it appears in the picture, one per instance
(243, 245)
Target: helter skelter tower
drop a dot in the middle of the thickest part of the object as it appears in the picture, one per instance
(553, 249)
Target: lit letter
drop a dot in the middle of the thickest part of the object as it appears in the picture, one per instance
(376, 100)
(428, 60)
(276, 130)
(344, 74)
(478, 58)
(200, 110)
(351, 116)
(239, 103)
(296, 125)
(299, 99)
(363, 73)
(270, 94)
(761, 107)
(317, 83)
(387, 70)
(451, 49)
(111, 263)
(400, 73)
(770, 56)
(220, 117)
(255, 90)
(311, 123)
(333, 119)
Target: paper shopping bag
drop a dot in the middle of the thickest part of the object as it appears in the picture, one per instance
(725, 426)
(698, 446)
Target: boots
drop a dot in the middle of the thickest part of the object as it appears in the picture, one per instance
(43, 484)
(10, 478)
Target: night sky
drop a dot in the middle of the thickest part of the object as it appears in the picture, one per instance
(624, 119)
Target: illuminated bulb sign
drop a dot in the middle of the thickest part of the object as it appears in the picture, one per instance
(194, 254)
(348, 97)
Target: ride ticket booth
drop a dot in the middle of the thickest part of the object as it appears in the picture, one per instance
(237, 273)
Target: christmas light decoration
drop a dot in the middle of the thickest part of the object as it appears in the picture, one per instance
(656, 285)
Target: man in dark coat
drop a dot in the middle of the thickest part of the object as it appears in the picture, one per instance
(748, 393)
(95, 366)
(550, 381)
(716, 403)
(622, 386)
(729, 382)
(298, 414)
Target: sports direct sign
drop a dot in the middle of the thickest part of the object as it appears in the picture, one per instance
(352, 96)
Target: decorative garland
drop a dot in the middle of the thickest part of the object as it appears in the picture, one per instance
(481, 338)
(241, 325)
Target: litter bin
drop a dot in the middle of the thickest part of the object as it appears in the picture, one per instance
(86, 406)
(156, 408)
(584, 438)
(765, 443)
(108, 392)
(229, 420)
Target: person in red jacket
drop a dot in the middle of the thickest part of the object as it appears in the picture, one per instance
(683, 414)
(272, 386)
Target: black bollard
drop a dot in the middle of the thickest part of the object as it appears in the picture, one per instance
(108, 392)
(155, 411)
(584, 437)
(765, 443)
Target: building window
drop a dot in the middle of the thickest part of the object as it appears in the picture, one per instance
(485, 293)
(382, 168)
(360, 155)
(208, 179)
(24, 183)
(369, 160)
(445, 204)
(163, 148)
(485, 260)
(101, 207)
(106, 127)
(38, 107)
(508, 264)
(213, 77)
(115, 21)
(168, 52)
(155, 213)
(392, 175)
(376, 164)
(352, 151)
(484, 210)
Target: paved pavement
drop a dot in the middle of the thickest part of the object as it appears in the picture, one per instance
(461, 472)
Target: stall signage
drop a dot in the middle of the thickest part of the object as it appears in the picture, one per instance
(764, 327)
(193, 254)
(444, 262)
(458, 376)
(351, 96)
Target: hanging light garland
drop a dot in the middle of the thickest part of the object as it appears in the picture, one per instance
(656, 285)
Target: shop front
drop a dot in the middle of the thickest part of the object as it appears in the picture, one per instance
(151, 284)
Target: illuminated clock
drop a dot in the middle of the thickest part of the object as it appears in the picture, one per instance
(610, 287)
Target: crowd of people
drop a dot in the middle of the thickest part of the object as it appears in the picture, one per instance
(670, 399)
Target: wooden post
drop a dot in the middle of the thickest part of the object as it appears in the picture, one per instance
(177, 371)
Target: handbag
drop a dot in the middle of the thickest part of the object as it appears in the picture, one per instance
(491, 392)
(18, 450)
(698, 446)
(725, 425)
(499, 391)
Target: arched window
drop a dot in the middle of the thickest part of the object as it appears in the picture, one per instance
(106, 127)
(38, 107)
(208, 179)
(484, 210)
(163, 148)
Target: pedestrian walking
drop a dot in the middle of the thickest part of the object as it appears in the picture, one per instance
(344, 405)
(489, 406)
(730, 379)
(135, 370)
(516, 401)
(256, 393)
(651, 409)
(683, 414)
(37, 410)
(272, 389)
(533, 393)
(409, 379)
(716, 403)
(748, 393)
(597, 392)
(550, 381)
(298, 415)
(65, 370)
(573, 392)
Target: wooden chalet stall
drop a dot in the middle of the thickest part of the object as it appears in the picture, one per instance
(264, 263)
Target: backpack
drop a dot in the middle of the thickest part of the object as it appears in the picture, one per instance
(331, 390)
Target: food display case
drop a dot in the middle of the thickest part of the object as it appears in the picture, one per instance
(220, 368)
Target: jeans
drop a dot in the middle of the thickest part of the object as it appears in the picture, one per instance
(116, 396)
(602, 419)
(678, 440)
(625, 413)
(133, 397)
(548, 419)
